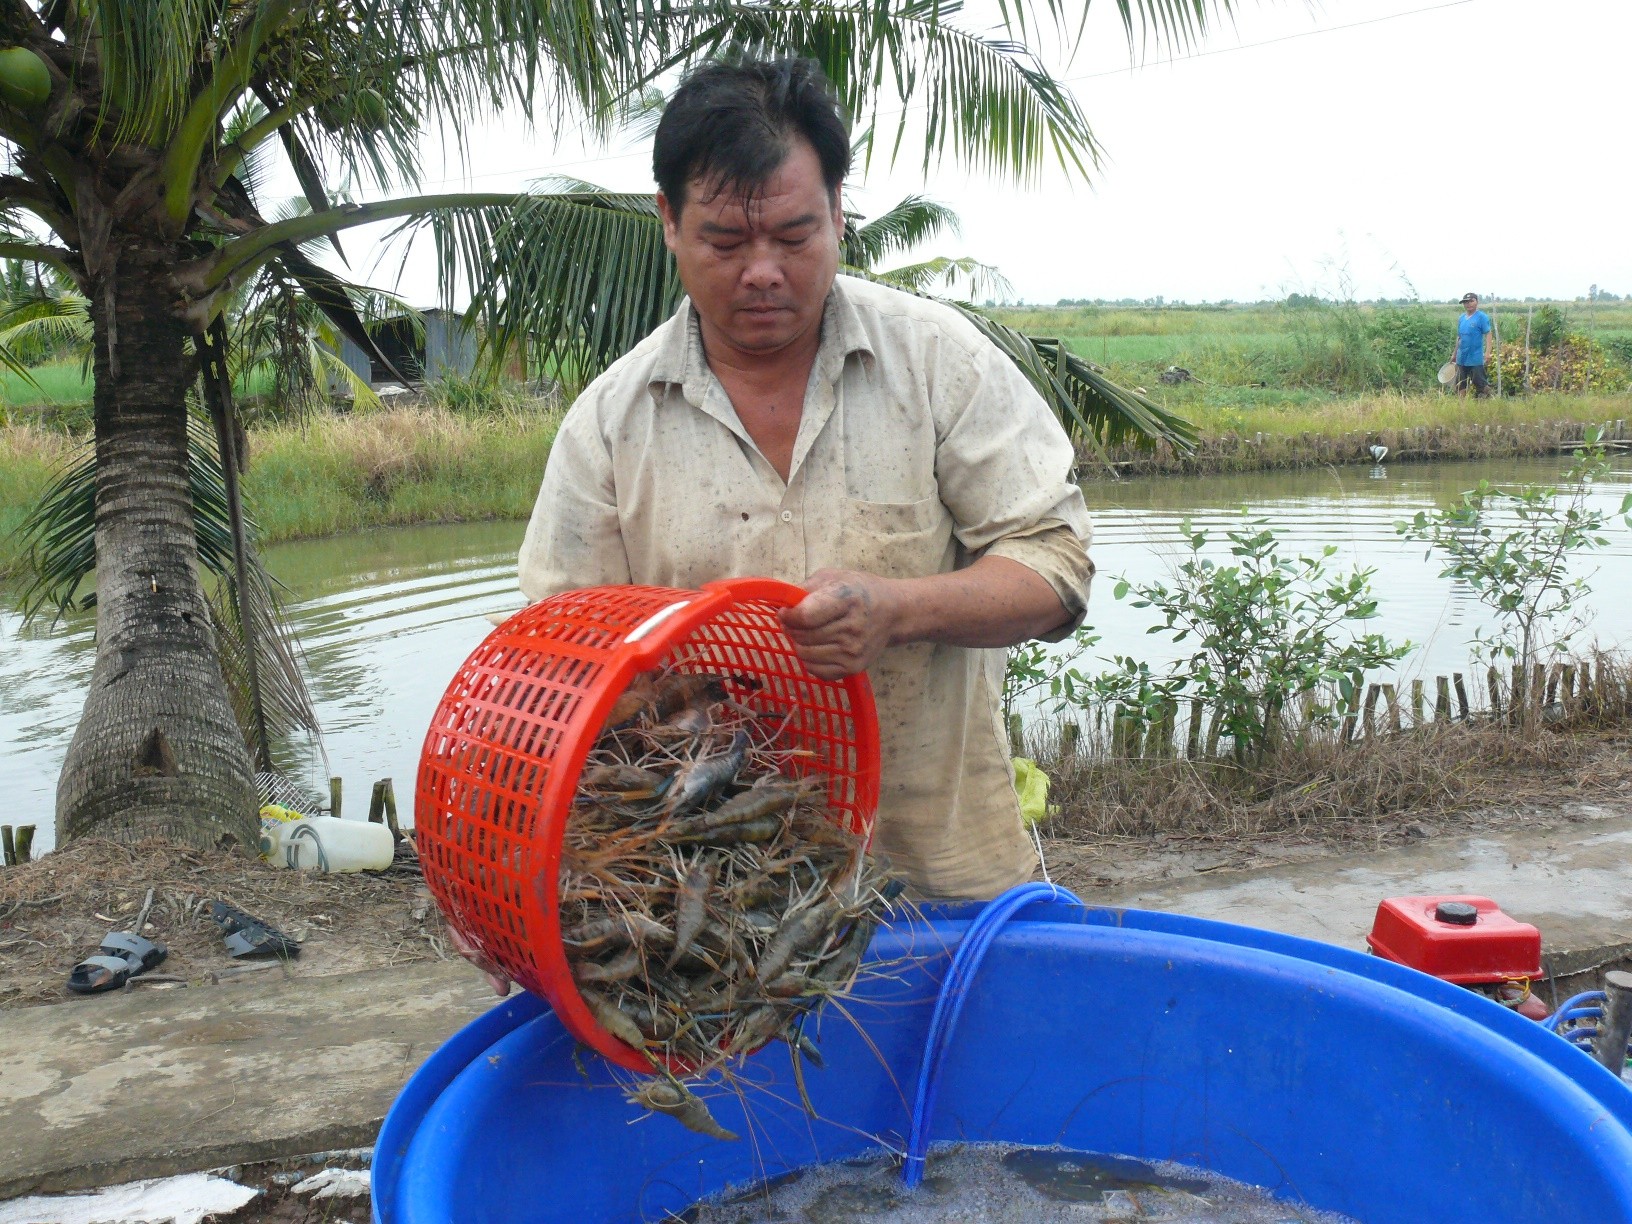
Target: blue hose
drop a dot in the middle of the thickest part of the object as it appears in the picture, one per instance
(1558, 1017)
(949, 1005)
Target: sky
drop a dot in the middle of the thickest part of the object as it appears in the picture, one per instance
(1365, 148)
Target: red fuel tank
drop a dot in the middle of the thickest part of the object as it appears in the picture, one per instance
(1460, 939)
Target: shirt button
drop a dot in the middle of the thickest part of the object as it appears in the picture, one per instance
(787, 516)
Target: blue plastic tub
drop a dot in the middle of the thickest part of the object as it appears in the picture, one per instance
(1331, 1078)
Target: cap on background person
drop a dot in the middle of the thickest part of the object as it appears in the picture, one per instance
(1470, 297)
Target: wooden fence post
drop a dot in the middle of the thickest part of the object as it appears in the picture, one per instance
(25, 843)
(1493, 683)
(1461, 696)
(1442, 699)
(388, 793)
(1368, 722)
(1393, 700)
(1416, 702)
(1192, 735)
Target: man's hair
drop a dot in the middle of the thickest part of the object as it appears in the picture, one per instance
(732, 125)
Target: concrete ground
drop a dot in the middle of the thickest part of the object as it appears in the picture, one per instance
(153, 1082)
(144, 1083)
(1572, 881)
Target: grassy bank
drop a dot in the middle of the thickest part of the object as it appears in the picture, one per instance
(343, 473)
(425, 464)
(395, 467)
(1278, 354)
(1413, 427)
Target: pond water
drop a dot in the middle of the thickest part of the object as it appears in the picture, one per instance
(386, 617)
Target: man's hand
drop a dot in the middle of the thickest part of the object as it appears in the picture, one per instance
(497, 978)
(844, 623)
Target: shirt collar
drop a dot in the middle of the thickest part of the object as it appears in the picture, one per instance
(679, 359)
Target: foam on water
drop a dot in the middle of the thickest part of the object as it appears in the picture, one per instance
(1003, 1184)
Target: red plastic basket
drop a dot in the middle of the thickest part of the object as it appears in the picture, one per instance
(503, 754)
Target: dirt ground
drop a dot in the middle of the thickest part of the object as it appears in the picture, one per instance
(55, 910)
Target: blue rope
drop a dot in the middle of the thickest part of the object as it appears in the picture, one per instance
(949, 1005)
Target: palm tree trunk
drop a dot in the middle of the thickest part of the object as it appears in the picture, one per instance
(157, 751)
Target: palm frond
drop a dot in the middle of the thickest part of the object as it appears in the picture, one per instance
(914, 220)
(59, 537)
(33, 329)
(985, 99)
(963, 278)
(578, 276)
(1095, 411)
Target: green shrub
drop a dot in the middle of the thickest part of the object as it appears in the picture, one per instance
(1410, 343)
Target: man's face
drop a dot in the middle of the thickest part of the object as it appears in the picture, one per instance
(1470, 304)
(759, 274)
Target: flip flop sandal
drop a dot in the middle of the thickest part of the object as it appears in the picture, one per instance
(247, 937)
(122, 956)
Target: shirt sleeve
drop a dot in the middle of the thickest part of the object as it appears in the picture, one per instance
(574, 538)
(1003, 466)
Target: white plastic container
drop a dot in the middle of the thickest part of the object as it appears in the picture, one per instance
(323, 843)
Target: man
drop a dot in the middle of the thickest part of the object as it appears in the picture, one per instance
(1472, 350)
(824, 430)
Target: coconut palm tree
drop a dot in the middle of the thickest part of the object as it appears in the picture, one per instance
(128, 125)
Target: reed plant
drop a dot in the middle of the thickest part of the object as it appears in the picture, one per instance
(419, 463)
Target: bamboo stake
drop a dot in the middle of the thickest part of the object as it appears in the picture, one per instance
(1393, 699)
(390, 796)
(1416, 702)
(1527, 323)
(25, 843)
(1368, 723)
(376, 803)
(7, 846)
(1461, 696)
(1192, 738)
(1494, 682)
(1442, 699)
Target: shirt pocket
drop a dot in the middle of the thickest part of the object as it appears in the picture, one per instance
(895, 539)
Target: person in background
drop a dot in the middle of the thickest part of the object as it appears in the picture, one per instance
(1474, 344)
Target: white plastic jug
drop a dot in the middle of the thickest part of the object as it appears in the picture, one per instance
(325, 843)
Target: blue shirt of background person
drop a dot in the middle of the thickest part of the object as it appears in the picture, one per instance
(1470, 338)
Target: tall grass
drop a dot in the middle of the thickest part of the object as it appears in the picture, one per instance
(28, 458)
(395, 466)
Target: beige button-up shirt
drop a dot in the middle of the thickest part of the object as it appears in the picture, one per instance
(920, 448)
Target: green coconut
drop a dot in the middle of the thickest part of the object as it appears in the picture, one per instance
(25, 82)
(368, 109)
